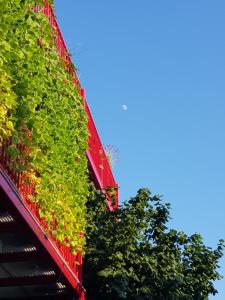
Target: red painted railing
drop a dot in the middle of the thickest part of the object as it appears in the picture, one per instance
(59, 41)
(98, 162)
(96, 154)
(26, 189)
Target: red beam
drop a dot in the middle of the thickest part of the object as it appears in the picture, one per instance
(95, 154)
(24, 212)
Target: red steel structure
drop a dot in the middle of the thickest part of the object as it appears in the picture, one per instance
(98, 162)
(13, 187)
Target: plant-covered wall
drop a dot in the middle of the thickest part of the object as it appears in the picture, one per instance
(41, 109)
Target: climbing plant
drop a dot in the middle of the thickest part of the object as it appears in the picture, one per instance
(42, 110)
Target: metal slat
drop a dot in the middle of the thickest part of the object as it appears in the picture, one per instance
(44, 278)
(18, 256)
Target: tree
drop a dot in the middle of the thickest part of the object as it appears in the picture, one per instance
(131, 254)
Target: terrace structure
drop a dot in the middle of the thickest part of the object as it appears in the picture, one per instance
(33, 265)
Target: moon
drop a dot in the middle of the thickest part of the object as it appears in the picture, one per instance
(124, 106)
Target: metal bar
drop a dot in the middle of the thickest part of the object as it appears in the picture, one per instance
(102, 169)
(18, 256)
(24, 212)
(27, 280)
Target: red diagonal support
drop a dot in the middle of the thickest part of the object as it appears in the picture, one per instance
(14, 197)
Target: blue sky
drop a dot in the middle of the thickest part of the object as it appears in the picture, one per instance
(164, 60)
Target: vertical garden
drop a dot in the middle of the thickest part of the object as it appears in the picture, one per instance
(42, 110)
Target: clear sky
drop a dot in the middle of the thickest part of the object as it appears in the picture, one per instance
(164, 60)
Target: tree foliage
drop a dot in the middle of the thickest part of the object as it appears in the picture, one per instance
(131, 254)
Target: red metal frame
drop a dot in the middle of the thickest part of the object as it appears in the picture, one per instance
(98, 163)
(34, 224)
(97, 158)
(27, 188)
(60, 253)
(95, 154)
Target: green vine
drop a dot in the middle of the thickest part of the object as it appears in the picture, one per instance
(43, 110)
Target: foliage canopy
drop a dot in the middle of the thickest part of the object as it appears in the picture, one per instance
(131, 254)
